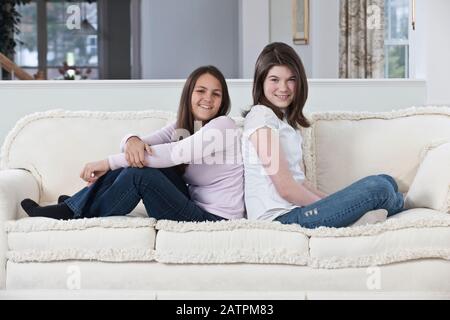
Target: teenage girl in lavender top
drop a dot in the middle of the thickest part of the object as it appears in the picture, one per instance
(197, 178)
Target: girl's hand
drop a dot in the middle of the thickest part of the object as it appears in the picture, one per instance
(135, 150)
(94, 170)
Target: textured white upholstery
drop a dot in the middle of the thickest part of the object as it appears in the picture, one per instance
(104, 239)
(341, 148)
(411, 251)
(67, 141)
(228, 246)
(15, 185)
(413, 234)
(412, 241)
(427, 275)
(431, 185)
(417, 233)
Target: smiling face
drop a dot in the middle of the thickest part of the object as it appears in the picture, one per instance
(279, 86)
(206, 97)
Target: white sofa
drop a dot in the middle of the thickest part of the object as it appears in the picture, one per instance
(406, 256)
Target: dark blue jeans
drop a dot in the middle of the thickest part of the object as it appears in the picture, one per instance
(348, 205)
(117, 193)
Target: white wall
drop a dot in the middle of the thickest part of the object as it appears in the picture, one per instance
(179, 36)
(321, 55)
(432, 48)
(325, 38)
(19, 98)
(260, 22)
(281, 31)
(254, 33)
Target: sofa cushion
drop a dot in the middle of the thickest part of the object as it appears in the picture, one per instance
(341, 148)
(54, 145)
(411, 234)
(431, 185)
(102, 239)
(230, 242)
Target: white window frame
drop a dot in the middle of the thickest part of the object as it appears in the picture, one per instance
(394, 42)
(42, 41)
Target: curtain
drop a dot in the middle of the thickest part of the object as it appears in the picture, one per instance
(361, 42)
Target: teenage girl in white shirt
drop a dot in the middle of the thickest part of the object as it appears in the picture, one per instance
(275, 185)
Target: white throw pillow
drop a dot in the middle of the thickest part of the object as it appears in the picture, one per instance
(431, 185)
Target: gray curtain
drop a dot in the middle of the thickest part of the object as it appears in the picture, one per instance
(361, 42)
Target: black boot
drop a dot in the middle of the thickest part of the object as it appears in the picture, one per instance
(62, 198)
(58, 211)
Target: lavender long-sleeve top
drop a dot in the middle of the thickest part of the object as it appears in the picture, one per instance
(215, 173)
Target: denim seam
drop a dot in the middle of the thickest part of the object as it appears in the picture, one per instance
(125, 195)
(75, 203)
(183, 210)
(180, 212)
(155, 190)
(351, 208)
(73, 207)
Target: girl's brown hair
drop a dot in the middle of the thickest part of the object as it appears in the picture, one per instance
(281, 54)
(185, 117)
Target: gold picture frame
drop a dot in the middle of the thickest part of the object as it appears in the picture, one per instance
(300, 21)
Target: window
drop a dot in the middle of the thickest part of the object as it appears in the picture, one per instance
(27, 47)
(396, 43)
(47, 43)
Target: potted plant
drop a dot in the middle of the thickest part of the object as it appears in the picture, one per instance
(9, 21)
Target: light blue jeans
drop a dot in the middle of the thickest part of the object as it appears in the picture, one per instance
(344, 207)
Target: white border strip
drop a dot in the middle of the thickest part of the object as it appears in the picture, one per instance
(47, 224)
(105, 254)
(363, 230)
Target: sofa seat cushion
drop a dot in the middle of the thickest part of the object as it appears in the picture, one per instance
(412, 234)
(230, 242)
(102, 239)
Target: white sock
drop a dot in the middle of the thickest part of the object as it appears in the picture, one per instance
(371, 217)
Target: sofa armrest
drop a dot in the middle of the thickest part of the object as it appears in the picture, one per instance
(15, 185)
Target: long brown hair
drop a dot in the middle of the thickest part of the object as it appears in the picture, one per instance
(281, 54)
(185, 117)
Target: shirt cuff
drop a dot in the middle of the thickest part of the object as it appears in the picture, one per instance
(117, 161)
(125, 139)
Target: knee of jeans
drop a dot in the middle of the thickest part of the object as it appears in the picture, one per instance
(379, 186)
(390, 179)
(129, 171)
(136, 174)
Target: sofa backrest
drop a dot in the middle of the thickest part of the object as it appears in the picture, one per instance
(338, 149)
(342, 147)
(55, 145)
